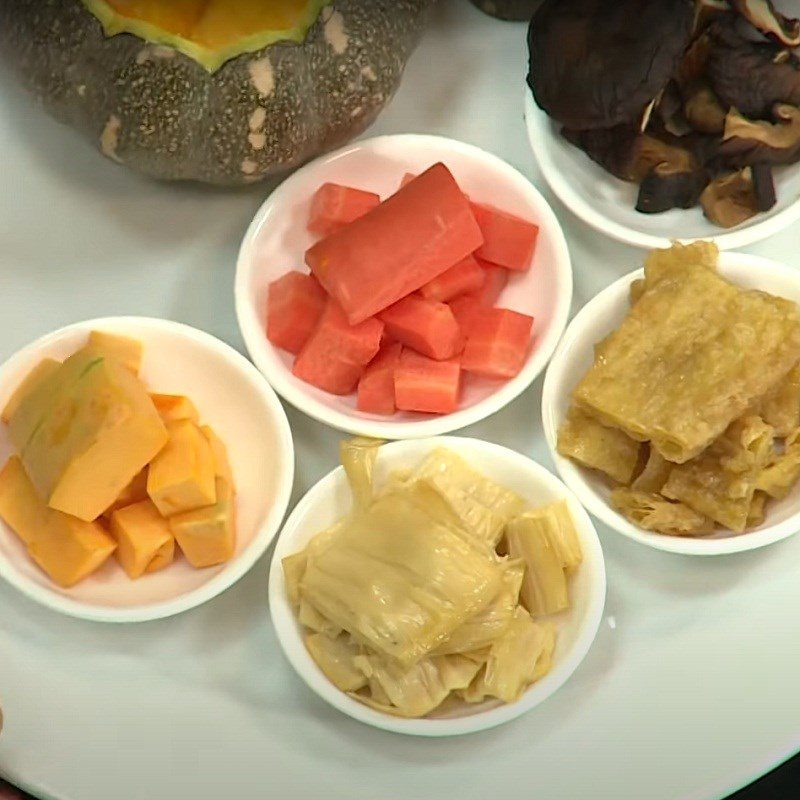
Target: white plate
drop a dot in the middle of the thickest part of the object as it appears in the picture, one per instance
(277, 240)
(330, 500)
(234, 399)
(689, 690)
(608, 203)
(575, 355)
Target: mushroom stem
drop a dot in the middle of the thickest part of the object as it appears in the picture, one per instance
(763, 16)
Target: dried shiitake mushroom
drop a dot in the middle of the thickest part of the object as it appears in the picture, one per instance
(733, 198)
(595, 64)
(747, 141)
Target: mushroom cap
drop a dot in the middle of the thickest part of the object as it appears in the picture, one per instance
(751, 76)
(597, 64)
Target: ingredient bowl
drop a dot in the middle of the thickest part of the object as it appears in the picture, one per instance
(607, 203)
(278, 238)
(329, 500)
(575, 355)
(236, 401)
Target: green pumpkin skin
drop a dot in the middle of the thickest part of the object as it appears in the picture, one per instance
(257, 117)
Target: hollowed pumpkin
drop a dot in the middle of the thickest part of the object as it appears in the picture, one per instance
(222, 91)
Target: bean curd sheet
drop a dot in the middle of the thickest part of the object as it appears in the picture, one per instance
(440, 590)
(691, 409)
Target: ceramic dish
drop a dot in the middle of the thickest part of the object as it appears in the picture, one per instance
(329, 500)
(574, 356)
(277, 240)
(607, 203)
(236, 401)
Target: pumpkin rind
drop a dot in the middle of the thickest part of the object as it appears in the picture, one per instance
(258, 116)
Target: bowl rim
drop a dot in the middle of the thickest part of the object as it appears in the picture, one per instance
(284, 617)
(750, 232)
(258, 346)
(234, 570)
(573, 474)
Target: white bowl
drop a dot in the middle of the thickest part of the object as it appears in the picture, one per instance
(574, 356)
(237, 402)
(329, 500)
(277, 240)
(608, 204)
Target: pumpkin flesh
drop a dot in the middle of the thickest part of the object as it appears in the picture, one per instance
(209, 31)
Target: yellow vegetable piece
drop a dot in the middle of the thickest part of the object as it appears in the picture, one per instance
(40, 400)
(98, 431)
(144, 540)
(134, 492)
(175, 407)
(783, 470)
(357, 456)
(40, 373)
(781, 405)
(544, 589)
(125, 351)
(66, 548)
(181, 476)
(655, 473)
(222, 465)
(557, 523)
(207, 536)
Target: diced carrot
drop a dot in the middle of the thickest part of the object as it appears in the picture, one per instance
(336, 353)
(334, 206)
(465, 309)
(422, 384)
(508, 240)
(376, 387)
(295, 303)
(462, 278)
(495, 280)
(498, 343)
(393, 250)
(427, 326)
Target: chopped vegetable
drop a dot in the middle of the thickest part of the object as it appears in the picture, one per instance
(376, 386)
(337, 352)
(424, 325)
(294, 306)
(508, 240)
(413, 236)
(462, 278)
(422, 384)
(333, 206)
(498, 343)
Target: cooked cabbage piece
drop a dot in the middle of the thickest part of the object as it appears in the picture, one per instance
(294, 566)
(512, 662)
(310, 618)
(654, 513)
(417, 690)
(720, 483)
(654, 475)
(482, 505)
(335, 656)
(358, 457)
(583, 439)
(783, 470)
(544, 588)
(689, 358)
(399, 581)
(478, 633)
(780, 407)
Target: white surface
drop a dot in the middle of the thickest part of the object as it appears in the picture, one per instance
(330, 500)
(689, 690)
(278, 238)
(608, 203)
(575, 355)
(245, 413)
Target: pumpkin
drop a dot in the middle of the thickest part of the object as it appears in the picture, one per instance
(515, 10)
(220, 91)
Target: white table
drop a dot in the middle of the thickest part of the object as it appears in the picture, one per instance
(691, 688)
